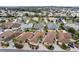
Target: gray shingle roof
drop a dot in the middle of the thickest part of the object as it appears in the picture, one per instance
(52, 26)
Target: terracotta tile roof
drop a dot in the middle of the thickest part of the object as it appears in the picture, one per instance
(25, 35)
(8, 25)
(15, 25)
(17, 33)
(50, 37)
(64, 37)
(36, 36)
(8, 35)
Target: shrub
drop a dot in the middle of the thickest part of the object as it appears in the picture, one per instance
(76, 36)
(72, 30)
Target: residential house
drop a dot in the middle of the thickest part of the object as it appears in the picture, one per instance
(10, 25)
(45, 19)
(22, 38)
(39, 26)
(64, 39)
(26, 26)
(52, 26)
(72, 25)
(49, 39)
(64, 36)
(8, 35)
(34, 41)
(51, 19)
(35, 19)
